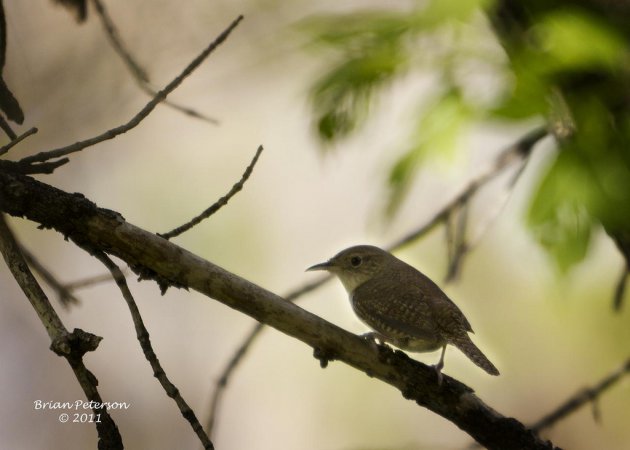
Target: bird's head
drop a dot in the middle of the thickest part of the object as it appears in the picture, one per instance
(356, 265)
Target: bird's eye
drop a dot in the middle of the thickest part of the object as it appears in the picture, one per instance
(355, 261)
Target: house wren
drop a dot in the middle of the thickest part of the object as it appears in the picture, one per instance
(402, 305)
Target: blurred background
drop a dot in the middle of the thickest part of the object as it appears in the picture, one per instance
(544, 318)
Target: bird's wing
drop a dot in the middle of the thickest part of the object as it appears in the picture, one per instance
(445, 313)
(449, 317)
(397, 314)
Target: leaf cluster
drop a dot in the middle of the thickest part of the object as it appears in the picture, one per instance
(567, 63)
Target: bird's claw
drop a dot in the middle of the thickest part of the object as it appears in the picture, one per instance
(438, 371)
(375, 339)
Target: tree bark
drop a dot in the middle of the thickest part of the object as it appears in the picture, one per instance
(154, 257)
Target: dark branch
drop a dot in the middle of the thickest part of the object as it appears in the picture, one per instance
(8, 103)
(17, 140)
(7, 128)
(219, 203)
(71, 346)
(521, 149)
(144, 112)
(226, 375)
(17, 264)
(65, 295)
(91, 281)
(582, 397)
(137, 72)
(31, 168)
(621, 238)
(456, 240)
(156, 258)
(517, 151)
(77, 7)
(64, 291)
(147, 348)
(620, 290)
(241, 351)
(114, 38)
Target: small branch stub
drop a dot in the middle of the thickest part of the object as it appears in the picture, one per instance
(76, 344)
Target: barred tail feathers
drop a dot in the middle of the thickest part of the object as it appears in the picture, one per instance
(468, 348)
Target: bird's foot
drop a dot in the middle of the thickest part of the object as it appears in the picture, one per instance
(438, 367)
(375, 339)
(438, 372)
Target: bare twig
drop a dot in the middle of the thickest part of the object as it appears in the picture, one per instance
(241, 351)
(9, 105)
(77, 7)
(147, 348)
(582, 397)
(7, 128)
(137, 72)
(91, 281)
(144, 112)
(31, 168)
(72, 346)
(450, 235)
(224, 379)
(15, 260)
(521, 149)
(458, 243)
(517, 151)
(17, 140)
(66, 297)
(112, 33)
(472, 241)
(620, 290)
(219, 203)
(181, 108)
(65, 291)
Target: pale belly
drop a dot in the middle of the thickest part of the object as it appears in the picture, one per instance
(414, 344)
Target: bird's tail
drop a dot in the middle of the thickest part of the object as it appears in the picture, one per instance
(472, 351)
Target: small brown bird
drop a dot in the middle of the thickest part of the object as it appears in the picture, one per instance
(402, 305)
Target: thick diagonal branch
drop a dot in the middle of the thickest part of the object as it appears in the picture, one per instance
(520, 150)
(154, 257)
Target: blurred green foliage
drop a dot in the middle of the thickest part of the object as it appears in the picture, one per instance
(371, 54)
(564, 62)
(371, 50)
(438, 130)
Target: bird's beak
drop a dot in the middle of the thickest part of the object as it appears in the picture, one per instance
(321, 266)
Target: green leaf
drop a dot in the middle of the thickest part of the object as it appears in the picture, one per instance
(566, 235)
(563, 211)
(439, 11)
(563, 43)
(342, 97)
(588, 183)
(527, 95)
(374, 48)
(558, 215)
(356, 29)
(575, 40)
(438, 132)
